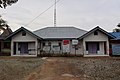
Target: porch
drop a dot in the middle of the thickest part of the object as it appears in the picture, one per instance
(24, 49)
(96, 49)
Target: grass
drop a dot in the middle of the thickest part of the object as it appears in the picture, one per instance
(17, 68)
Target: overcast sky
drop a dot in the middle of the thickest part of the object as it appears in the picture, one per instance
(84, 14)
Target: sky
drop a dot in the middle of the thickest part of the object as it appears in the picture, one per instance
(83, 14)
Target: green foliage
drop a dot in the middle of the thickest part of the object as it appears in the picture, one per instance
(3, 24)
(5, 3)
(5, 50)
(117, 29)
(118, 25)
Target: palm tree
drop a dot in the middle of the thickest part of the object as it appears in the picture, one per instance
(5, 3)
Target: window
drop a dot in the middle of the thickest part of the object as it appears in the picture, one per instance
(23, 33)
(43, 44)
(49, 43)
(59, 45)
(96, 33)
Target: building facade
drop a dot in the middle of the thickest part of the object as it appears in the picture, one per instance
(60, 40)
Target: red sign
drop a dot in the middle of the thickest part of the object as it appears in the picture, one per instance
(65, 42)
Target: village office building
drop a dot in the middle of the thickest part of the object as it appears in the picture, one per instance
(60, 40)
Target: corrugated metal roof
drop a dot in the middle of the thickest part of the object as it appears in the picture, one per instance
(59, 32)
(116, 34)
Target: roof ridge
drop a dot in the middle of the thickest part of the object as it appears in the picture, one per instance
(61, 27)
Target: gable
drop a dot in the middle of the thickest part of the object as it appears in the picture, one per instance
(21, 37)
(99, 37)
(25, 30)
(97, 29)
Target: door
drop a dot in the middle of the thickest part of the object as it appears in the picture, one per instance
(24, 48)
(92, 47)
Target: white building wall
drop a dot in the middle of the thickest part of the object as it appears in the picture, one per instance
(53, 49)
(101, 37)
(101, 51)
(79, 46)
(19, 38)
(71, 47)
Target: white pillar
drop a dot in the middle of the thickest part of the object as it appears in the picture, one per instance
(36, 47)
(12, 48)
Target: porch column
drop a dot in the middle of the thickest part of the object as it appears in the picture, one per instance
(107, 45)
(12, 48)
(36, 48)
(84, 48)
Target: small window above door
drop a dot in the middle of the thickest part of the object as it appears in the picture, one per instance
(96, 33)
(23, 33)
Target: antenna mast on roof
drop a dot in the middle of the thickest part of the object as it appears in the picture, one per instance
(55, 14)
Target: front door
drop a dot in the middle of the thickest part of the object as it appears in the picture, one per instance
(92, 47)
(24, 48)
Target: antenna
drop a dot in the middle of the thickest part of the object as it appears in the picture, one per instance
(55, 14)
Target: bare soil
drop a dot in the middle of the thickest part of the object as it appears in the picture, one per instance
(60, 68)
(53, 69)
(77, 68)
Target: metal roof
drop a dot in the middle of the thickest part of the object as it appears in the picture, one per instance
(59, 32)
(116, 34)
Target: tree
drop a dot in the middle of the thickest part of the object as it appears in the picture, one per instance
(117, 29)
(3, 24)
(118, 25)
(5, 3)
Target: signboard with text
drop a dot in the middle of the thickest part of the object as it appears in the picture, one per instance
(74, 42)
(66, 46)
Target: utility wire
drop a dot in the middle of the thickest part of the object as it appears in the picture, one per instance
(42, 13)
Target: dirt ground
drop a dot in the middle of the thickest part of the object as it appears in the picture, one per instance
(60, 68)
(75, 68)
(54, 69)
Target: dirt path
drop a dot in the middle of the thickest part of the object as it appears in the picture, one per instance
(54, 69)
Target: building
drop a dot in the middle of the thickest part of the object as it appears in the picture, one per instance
(60, 40)
(96, 42)
(24, 43)
(5, 44)
(115, 44)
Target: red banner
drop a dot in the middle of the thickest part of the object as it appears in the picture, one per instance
(65, 42)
